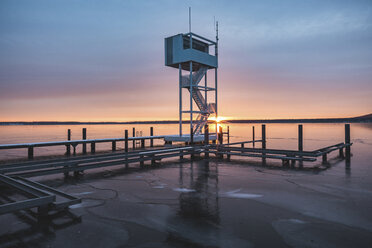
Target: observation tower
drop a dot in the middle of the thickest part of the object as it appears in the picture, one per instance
(194, 57)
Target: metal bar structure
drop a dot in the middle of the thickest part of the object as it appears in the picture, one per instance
(225, 147)
(33, 168)
(180, 98)
(286, 155)
(228, 134)
(215, 78)
(347, 141)
(93, 161)
(74, 143)
(134, 135)
(84, 138)
(191, 100)
(211, 42)
(151, 134)
(242, 142)
(44, 197)
(68, 147)
(206, 141)
(253, 138)
(263, 138)
(300, 138)
(39, 195)
(65, 200)
(300, 141)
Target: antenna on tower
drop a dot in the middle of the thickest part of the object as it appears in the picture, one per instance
(189, 19)
(217, 31)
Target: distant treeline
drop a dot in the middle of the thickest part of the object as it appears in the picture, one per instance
(367, 118)
(85, 123)
(321, 120)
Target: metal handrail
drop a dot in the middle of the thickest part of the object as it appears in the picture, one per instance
(73, 142)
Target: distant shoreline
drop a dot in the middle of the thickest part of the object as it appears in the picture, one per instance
(318, 120)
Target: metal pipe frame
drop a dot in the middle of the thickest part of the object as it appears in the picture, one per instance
(39, 197)
(180, 97)
(51, 167)
(106, 164)
(191, 101)
(294, 155)
(73, 142)
(211, 42)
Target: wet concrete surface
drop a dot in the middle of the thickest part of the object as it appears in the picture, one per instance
(205, 204)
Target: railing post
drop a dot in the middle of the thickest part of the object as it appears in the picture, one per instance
(220, 137)
(191, 136)
(192, 140)
(152, 144)
(228, 134)
(300, 143)
(263, 137)
(68, 147)
(324, 158)
(84, 138)
(142, 163)
(126, 147)
(253, 136)
(347, 142)
(181, 155)
(300, 138)
(151, 134)
(134, 135)
(30, 152)
(126, 141)
(114, 146)
(341, 152)
(93, 147)
(142, 143)
(206, 141)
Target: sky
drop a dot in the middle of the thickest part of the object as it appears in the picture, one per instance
(78, 60)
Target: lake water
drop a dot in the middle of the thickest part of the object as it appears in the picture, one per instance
(278, 136)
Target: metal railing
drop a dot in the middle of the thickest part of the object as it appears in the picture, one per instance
(74, 143)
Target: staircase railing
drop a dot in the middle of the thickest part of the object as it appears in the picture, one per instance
(198, 98)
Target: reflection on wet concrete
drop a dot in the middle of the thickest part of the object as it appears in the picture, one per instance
(26, 228)
(202, 202)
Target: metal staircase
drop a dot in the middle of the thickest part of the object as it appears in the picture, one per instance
(205, 109)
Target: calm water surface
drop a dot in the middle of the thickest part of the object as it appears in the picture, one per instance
(278, 135)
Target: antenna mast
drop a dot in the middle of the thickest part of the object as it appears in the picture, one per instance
(189, 19)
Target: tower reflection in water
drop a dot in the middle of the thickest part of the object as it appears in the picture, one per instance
(201, 201)
(198, 210)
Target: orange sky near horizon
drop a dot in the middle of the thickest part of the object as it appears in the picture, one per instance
(235, 102)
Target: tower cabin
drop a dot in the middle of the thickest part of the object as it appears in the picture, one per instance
(177, 51)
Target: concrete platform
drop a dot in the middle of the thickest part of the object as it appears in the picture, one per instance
(186, 138)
